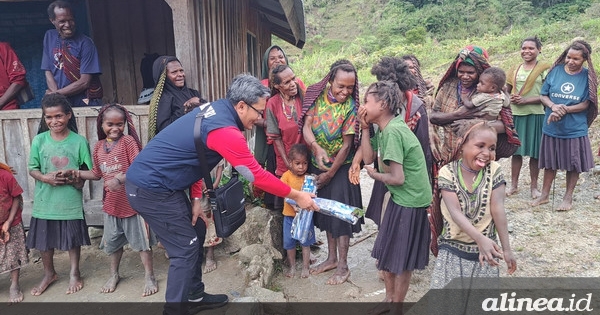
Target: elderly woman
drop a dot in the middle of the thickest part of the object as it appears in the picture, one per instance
(329, 126)
(263, 147)
(171, 98)
(283, 108)
(457, 86)
(569, 95)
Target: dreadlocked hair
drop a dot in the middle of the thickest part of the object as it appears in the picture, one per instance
(395, 70)
(54, 100)
(153, 111)
(389, 93)
(421, 84)
(130, 127)
(586, 51)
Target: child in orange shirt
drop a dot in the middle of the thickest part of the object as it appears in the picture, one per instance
(294, 177)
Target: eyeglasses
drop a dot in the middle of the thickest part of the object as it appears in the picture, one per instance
(260, 112)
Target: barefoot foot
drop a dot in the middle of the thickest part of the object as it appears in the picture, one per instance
(565, 205)
(535, 193)
(305, 272)
(290, 272)
(540, 201)
(210, 265)
(511, 191)
(340, 276)
(381, 308)
(44, 285)
(75, 284)
(111, 284)
(322, 267)
(15, 295)
(150, 286)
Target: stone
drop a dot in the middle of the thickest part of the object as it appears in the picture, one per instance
(247, 305)
(95, 232)
(262, 226)
(271, 301)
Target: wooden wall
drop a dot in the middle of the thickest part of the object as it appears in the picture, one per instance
(123, 31)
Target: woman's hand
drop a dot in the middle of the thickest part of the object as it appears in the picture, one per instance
(191, 104)
(489, 251)
(323, 179)
(321, 157)
(559, 109)
(354, 173)
(470, 113)
(554, 117)
(4, 233)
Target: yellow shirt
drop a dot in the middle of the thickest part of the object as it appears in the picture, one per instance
(296, 183)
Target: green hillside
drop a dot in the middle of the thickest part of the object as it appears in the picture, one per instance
(363, 31)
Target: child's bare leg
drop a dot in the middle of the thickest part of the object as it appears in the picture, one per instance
(113, 280)
(15, 295)
(516, 161)
(49, 272)
(534, 173)
(342, 273)
(331, 261)
(567, 203)
(75, 281)
(305, 262)
(150, 283)
(291, 258)
(211, 263)
(549, 176)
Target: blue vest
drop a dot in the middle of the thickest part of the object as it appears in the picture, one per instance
(169, 162)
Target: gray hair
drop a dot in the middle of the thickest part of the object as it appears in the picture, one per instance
(245, 87)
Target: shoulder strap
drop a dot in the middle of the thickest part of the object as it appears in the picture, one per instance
(200, 151)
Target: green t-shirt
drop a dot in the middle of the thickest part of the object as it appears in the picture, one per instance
(523, 110)
(48, 155)
(399, 144)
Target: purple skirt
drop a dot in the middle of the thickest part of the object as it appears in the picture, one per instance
(573, 154)
(375, 207)
(57, 234)
(403, 240)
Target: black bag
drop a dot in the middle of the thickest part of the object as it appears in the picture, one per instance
(227, 202)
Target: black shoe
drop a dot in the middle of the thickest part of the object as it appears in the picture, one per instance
(204, 301)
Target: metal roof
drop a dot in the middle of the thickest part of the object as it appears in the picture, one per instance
(285, 18)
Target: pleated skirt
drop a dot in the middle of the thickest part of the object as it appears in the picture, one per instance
(449, 266)
(573, 154)
(339, 189)
(403, 240)
(529, 128)
(57, 234)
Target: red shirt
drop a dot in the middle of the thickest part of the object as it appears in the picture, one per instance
(230, 143)
(11, 71)
(9, 190)
(109, 164)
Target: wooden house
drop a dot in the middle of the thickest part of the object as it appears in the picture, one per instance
(214, 40)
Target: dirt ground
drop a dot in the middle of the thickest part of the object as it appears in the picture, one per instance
(546, 243)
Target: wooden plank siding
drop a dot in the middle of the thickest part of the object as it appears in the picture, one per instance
(19, 127)
(123, 31)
